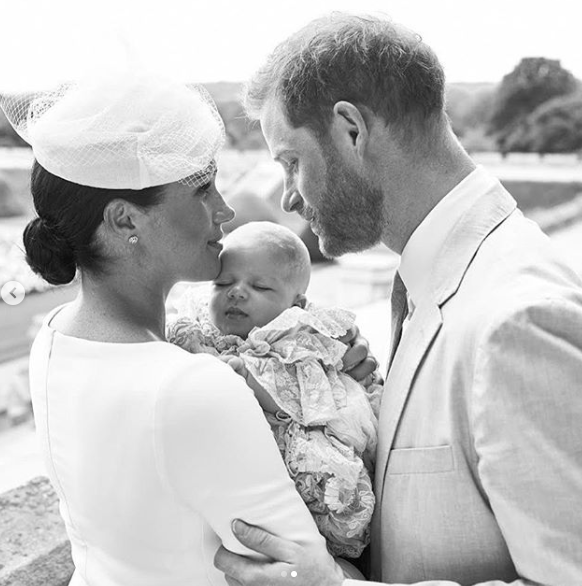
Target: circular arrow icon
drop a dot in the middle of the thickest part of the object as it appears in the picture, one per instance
(12, 292)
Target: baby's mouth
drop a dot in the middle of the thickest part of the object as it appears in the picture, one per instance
(235, 312)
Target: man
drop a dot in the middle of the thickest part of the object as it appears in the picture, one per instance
(479, 465)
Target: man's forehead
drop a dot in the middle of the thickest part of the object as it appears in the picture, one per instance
(274, 125)
(281, 137)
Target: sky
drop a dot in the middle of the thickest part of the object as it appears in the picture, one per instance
(43, 42)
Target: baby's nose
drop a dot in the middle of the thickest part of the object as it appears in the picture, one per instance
(236, 292)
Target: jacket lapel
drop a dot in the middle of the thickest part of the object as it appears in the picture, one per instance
(492, 208)
(421, 331)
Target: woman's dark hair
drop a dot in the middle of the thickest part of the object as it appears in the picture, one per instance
(61, 238)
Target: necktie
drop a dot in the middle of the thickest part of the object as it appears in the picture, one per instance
(399, 312)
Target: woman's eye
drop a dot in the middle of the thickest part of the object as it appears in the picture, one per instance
(216, 284)
(204, 188)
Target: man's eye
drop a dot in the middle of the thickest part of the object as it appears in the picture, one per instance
(217, 284)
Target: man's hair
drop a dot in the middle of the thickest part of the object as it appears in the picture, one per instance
(367, 61)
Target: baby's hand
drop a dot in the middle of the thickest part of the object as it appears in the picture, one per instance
(264, 399)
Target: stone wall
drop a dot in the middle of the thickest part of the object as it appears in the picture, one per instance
(34, 550)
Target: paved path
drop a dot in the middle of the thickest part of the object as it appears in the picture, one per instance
(20, 459)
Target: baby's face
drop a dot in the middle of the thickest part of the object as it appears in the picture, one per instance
(251, 290)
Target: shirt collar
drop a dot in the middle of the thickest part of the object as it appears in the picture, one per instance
(423, 246)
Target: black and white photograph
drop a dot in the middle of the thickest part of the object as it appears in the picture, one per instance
(291, 293)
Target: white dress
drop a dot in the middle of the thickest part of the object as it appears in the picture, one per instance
(153, 451)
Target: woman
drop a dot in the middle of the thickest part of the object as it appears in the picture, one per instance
(152, 451)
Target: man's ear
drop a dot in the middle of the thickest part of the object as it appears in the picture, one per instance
(119, 217)
(350, 128)
(300, 301)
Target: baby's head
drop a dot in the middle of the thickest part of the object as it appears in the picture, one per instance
(265, 270)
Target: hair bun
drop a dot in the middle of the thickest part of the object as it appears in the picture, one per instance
(49, 255)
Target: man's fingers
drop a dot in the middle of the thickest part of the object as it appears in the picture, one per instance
(350, 335)
(366, 382)
(242, 571)
(235, 567)
(363, 369)
(264, 542)
(354, 356)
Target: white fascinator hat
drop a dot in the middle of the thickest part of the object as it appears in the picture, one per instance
(128, 131)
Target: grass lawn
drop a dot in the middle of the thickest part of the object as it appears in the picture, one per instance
(532, 194)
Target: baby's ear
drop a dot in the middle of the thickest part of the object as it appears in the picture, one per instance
(300, 301)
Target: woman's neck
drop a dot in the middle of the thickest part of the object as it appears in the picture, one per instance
(116, 310)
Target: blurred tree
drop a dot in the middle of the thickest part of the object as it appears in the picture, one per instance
(534, 81)
(469, 106)
(476, 140)
(554, 127)
(458, 99)
(240, 132)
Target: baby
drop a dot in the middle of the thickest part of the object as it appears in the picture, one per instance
(324, 422)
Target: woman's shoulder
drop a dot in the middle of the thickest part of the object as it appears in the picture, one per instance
(198, 388)
(200, 373)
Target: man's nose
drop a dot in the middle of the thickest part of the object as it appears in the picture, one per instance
(291, 200)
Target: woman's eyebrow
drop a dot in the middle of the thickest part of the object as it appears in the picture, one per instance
(283, 153)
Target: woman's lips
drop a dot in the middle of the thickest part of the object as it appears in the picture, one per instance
(215, 244)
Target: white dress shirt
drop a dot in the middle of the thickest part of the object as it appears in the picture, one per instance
(424, 245)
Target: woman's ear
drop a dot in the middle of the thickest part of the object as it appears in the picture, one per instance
(300, 301)
(349, 128)
(119, 217)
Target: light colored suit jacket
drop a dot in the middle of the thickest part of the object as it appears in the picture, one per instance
(479, 469)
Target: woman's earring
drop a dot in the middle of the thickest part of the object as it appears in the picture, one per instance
(133, 239)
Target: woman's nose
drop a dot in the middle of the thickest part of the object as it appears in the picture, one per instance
(224, 213)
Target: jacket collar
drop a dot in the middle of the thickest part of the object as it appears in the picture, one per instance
(465, 239)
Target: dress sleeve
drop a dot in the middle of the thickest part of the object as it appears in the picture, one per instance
(219, 457)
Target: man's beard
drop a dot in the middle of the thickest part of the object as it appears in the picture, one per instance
(350, 213)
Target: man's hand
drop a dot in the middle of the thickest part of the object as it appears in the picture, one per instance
(292, 565)
(358, 362)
